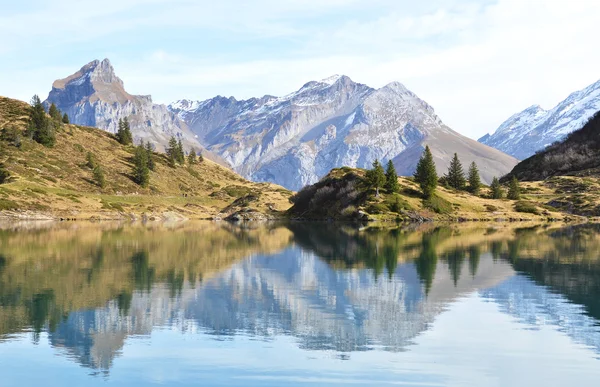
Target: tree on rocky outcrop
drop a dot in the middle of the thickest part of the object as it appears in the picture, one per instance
(150, 155)
(391, 178)
(124, 135)
(514, 191)
(376, 176)
(65, 119)
(141, 172)
(474, 179)
(426, 175)
(39, 127)
(192, 158)
(98, 175)
(172, 150)
(455, 178)
(496, 189)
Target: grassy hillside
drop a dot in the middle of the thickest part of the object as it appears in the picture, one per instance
(578, 154)
(343, 194)
(56, 182)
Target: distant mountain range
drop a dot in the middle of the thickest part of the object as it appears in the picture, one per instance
(296, 139)
(292, 140)
(534, 128)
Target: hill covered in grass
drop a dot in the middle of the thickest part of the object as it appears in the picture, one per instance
(578, 154)
(344, 194)
(56, 182)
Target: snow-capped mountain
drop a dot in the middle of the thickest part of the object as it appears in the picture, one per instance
(95, 96)
(296, 139)
(534, 128)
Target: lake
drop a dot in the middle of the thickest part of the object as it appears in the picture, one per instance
(213, 304)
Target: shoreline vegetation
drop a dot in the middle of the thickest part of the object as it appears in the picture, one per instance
(53, 170)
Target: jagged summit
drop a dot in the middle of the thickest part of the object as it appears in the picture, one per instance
(524, 133)
(296, 139)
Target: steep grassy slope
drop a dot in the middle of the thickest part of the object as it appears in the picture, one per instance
(578, 154)
(343, 194)
(55, 182)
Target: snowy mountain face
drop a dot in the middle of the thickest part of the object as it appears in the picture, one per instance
(296, 139)
(534, 128)
(95, 96)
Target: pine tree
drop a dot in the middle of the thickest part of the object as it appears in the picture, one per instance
(376, 176)
(127, 137)
(65, 119)
(54, 113)
(425, 175)
(4, 174)
(192, 159)
(172, 151)
(90, 160)
(391, 178)
(141, 173)
(496, 189)
(514, 191)
(150, 155)
(200, 158)
(39, 127)
(180, 153)
(455, 178)
(98, 174)
(474, 179)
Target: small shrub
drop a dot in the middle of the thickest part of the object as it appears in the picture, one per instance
(491, 208)
(377, 208)
(527, 207)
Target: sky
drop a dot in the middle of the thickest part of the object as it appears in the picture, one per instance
(476, 62)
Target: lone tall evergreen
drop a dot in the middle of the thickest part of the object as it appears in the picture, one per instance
(497, 191)
(150, 155)
(391, 178)
(514, 191)
(376, 176)
(39, 127)
(141, 172)
(124, 135)
(180, 153)
(455, 176)
(172, 151)
(425, 175)
(474, 179)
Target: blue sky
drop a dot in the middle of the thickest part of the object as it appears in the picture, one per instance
(475, 61)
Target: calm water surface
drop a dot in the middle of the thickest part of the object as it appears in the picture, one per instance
(297, 305)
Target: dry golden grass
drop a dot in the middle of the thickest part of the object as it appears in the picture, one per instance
(57, 182)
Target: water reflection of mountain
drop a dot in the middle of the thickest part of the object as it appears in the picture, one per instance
(334, 288)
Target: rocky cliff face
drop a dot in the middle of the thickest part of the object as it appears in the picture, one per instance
(534, 128)
(95, 96)
(296, 139)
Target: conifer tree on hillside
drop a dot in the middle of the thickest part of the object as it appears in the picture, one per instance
(124, 135)
(4, 174)
(200, 158)
(180, 153)
(496, 188)
(391, 178)
(455, 178)
(150, 155)
(171, 151)
(514, 191)
(141, 173)
(65, 119)
(426, 175)
(90, 160)
(39, 127)
(376, 176)
(54, 113)
(474, 179)
(98, 175)
(192, 159)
